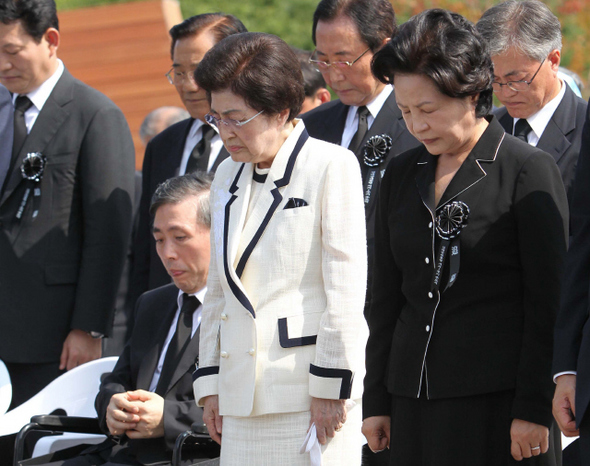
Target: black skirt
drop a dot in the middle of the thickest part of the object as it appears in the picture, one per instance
(469, 431)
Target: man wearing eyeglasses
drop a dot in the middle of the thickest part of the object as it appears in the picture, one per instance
(365, 117)
(189, 145)
(525, 43)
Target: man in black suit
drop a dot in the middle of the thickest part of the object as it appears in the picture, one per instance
(365, 117)
(525, 43)
(147, 401)
(186, 146)
(571, 353)
(6, 126)
(65, 205)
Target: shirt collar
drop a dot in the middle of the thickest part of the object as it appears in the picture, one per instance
(376, 104)
(200, 295)
(540, 120)
(40, 95)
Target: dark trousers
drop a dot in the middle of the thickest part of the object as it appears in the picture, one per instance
(466, 431)
(29, 379)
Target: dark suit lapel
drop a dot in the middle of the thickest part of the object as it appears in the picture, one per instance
(50, 119)
(425, 180)
(505, 120)
(472, 171)
(175, 149)
(150, 360)
(554, 139)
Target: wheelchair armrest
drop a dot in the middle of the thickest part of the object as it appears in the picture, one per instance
(196, 436)
(76, 424)
(54, 424)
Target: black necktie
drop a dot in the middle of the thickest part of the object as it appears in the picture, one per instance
(363, 113)
(522, 129)
(199, 159)
(21, 105)
(179, 342)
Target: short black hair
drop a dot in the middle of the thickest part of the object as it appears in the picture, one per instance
(220, 25)
(177, 189)
(260, 68)
(36, 16)
(374, 19)
(313, 80)
(444, 47)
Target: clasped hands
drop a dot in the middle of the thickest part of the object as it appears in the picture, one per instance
(137, 414)
(524, 435)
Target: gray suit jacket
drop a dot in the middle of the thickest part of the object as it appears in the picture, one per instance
(61, 270)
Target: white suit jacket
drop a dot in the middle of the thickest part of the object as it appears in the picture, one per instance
(283, 315)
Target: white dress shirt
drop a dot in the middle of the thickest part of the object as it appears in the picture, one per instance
(352, 120)
(539, 121)
(194, 136)
(200, 295)
(40, 95)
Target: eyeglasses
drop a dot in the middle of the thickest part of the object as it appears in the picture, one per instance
(177, 77)
(320, 65)
(516, 86)
(214, 121)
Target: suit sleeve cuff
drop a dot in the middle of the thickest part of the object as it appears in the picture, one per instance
(331, 384)
(205, 383)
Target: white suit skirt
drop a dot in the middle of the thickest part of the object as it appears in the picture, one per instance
(275, 439)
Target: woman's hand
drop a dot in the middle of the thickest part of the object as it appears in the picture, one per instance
(212, 418)
(376, 431)
(526, 437)
(328, 415)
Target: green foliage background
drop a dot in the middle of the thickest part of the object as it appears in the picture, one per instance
(292, 19)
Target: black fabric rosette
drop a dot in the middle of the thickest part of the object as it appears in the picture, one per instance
(451, 219)
(32, 170)
(374, 154)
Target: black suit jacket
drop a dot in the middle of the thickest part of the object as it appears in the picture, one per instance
(162, 159)
(6, 128)
(135, 368)
(572, 329)
(61, 270)
(327, 121)
(562, 137)
(492, 330)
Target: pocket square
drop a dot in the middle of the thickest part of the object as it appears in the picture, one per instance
(295, 202)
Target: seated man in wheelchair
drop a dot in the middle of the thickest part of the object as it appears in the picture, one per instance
(147, 401)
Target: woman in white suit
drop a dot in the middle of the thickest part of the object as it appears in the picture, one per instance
(283, 332)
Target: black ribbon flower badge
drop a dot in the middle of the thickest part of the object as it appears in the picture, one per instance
(451, 219)
(376, 149)
(32, 170)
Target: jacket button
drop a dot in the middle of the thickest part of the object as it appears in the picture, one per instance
(427, 260)
(430, 225)
(252, 352)
(224, 354)
(430, 295)
(428, 328)
(223, 316)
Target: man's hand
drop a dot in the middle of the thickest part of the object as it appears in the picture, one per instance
(78, 348)
(150, 409)
(526, 436)
(328, 415)
(121, 414)
(376, 431)
(211, 417)
(564, 404)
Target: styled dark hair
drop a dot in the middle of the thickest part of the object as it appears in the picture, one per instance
(36, 16)
(177, 189)
(220, 25)
(313, 80)
(260, 68)
(374, 19)
(445, 47)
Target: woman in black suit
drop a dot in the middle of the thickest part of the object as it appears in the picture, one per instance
(470, 238)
